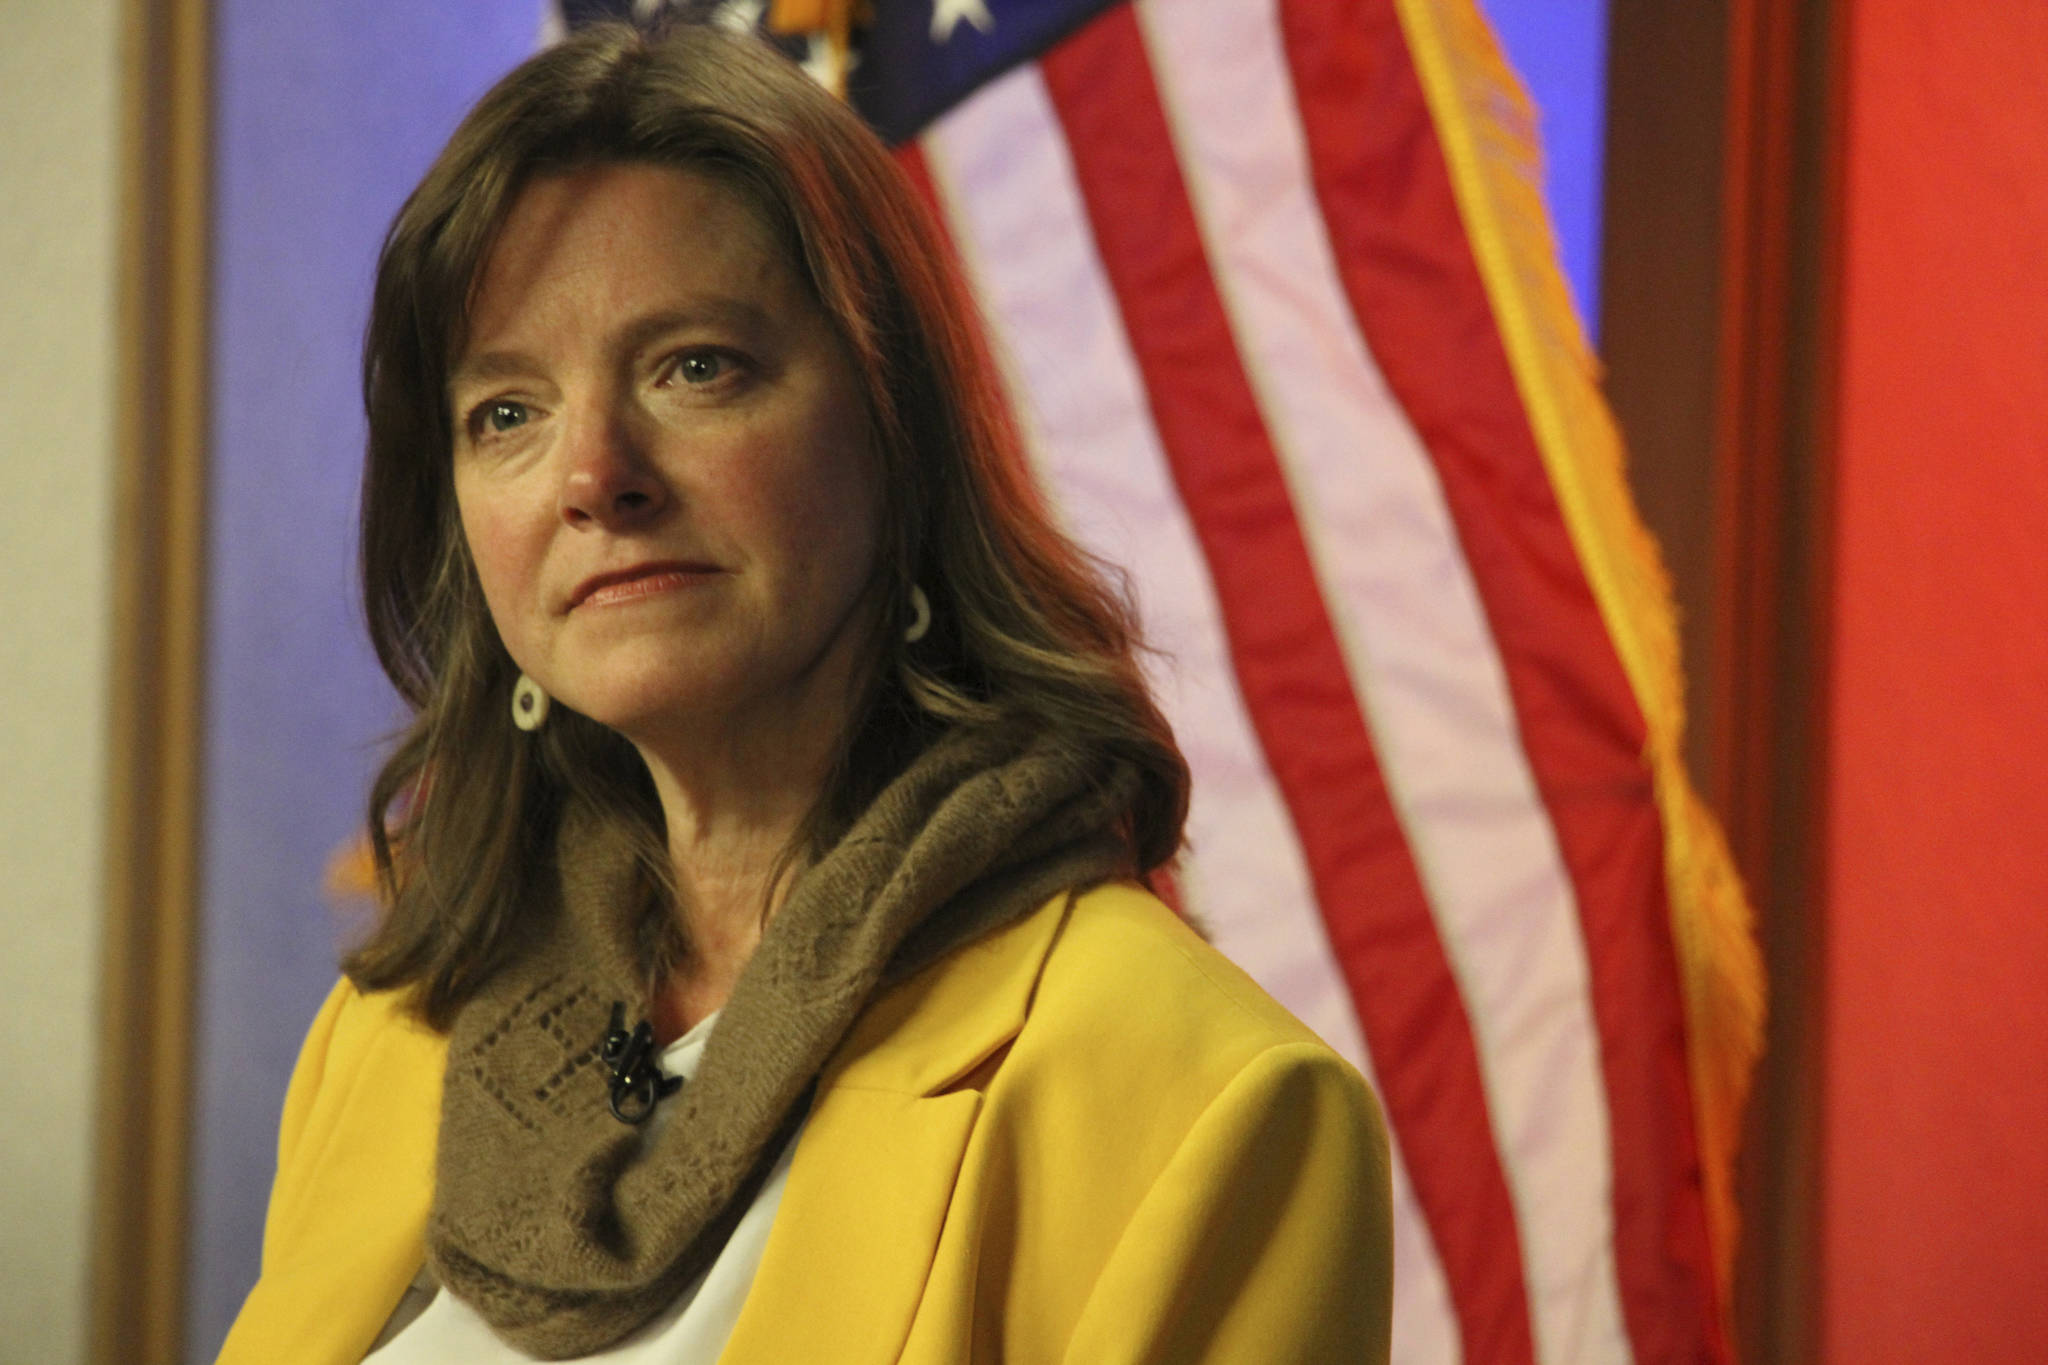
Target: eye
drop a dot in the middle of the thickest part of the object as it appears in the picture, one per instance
(496, 417)
(703, 367)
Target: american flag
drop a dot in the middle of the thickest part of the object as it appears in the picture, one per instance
(1282, 323)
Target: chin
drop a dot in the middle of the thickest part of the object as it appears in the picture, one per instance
(672, 692)
(637, 713)
(648, 703)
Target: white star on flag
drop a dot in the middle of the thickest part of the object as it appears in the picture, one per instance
(947, 14)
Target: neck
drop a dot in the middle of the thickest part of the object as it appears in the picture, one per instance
(733, 795)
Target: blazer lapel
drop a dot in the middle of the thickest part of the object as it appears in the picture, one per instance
(875, 1168)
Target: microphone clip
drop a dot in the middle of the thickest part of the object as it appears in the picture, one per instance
(637, 1084)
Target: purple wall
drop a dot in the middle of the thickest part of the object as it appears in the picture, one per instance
(1560, 49)
(325, 116)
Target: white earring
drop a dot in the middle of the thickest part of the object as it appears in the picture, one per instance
(529, 704)
(920, 615)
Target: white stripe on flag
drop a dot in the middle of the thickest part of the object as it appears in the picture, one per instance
(1420, 652)
(1001, 167)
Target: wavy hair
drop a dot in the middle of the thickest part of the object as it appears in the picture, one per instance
(1027, 628)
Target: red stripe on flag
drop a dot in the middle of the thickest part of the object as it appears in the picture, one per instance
(1291, 670)
(1415, 288)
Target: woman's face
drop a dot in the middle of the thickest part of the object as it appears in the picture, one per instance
(661, 457)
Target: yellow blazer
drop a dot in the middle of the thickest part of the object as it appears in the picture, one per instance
(1086, 1138)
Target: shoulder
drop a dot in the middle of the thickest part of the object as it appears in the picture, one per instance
(1134, 1014)
(354, 1025)
(344, 1234)
(360, 1036)
(1104, 994)
(1123, 958)
(1159, 1121)
(367, 1077)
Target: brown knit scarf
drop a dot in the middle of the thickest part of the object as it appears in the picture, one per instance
(565, 1229)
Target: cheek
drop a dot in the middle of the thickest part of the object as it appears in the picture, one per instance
(841, 481)
(830, 516)
(804, 491)
(502, 552)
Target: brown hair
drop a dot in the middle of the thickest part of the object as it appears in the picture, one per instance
(1026, 627)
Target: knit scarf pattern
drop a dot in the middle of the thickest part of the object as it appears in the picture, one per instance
(566, 1229)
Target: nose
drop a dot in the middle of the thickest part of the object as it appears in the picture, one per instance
(609, 483)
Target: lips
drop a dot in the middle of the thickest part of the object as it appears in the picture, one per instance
(638, 580)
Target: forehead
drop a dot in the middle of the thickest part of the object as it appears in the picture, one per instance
(612, 240)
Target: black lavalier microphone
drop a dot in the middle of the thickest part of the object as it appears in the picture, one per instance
(637, 1083)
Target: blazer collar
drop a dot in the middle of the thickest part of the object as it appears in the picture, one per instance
(875, 1167)
(923, 1036)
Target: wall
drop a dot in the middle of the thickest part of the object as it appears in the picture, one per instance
(1559, 49)
(324, 116)
(1934, 1182)
(59, 181)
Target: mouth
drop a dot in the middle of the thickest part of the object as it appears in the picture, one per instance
(637, 581)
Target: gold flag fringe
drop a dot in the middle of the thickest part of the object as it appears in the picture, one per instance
(832, 18)
(351, 874)
(1486, 123)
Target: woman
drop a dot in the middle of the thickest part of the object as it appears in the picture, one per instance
(767, 735)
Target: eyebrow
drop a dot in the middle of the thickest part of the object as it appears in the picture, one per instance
(490, 366)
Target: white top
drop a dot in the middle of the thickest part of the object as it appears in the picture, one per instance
(690, 1331)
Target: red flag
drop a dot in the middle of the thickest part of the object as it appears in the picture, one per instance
(1280, 317)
